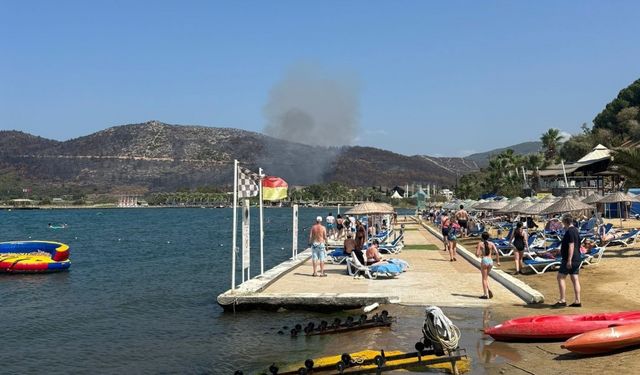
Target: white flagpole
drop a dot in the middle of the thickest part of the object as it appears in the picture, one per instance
(564, 172)
(235, 214)
(261, 225)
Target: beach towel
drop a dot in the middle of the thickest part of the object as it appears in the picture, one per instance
(401, 263)
(386, 268)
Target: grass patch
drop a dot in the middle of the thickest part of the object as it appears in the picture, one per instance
(421, 247)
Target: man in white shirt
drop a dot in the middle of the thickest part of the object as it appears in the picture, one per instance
(331, 225)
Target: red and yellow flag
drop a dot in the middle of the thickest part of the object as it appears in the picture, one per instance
(274, 188)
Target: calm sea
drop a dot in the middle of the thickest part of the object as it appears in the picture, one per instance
(140, 296)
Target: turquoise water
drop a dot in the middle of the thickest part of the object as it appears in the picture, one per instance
(140, 295)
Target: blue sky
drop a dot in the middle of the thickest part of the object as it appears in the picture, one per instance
(439, 78)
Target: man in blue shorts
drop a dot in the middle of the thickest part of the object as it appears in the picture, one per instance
(318, 241)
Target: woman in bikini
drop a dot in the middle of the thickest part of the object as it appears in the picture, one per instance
(485, 251)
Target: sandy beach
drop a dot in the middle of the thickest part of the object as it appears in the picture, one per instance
(609, 286)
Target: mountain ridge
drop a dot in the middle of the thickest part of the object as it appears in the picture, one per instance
(162, 157)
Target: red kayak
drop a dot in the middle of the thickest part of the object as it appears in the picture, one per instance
(558, 327)
(604, 340)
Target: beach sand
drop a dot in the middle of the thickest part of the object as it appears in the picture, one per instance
(610, 286)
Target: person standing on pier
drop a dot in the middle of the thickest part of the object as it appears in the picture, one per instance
(318, 241)
(331, 225)
(361, 235)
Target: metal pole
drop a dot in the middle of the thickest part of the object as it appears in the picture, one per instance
(261, 225)
(564, 172)
(294, 230)
(233, 234)
(246, 240)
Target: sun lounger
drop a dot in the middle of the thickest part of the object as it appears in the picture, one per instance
(355, 268)
(625, 240)
(541, 265)
(394, 247)
(595, 255)
(337, 256)
(384, 269)
(476, 231)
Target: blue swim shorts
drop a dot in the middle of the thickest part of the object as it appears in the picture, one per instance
(317, 251)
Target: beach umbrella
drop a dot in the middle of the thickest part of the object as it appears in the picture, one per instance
(371, 208)
(536, 208)
(510, 204)
(493, 205)
(566, 204)
(521, 207)
(592, 198)
(619, 197)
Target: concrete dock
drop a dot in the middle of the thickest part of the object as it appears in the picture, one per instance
(431, 280)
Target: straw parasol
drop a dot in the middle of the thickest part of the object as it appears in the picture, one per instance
(619, 197)
(536, 208)
(592, 198)
(492, 205)
(371, 208)
(566, 204)
(521, 207)
(510, 205)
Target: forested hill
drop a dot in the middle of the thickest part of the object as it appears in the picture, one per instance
(482, 159)
(154, 156)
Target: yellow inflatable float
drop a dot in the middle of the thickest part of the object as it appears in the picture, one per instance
(329, 364)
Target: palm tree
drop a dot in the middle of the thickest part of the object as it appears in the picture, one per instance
(628, 162)
(550, 141)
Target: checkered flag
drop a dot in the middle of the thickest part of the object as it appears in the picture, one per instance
(247, 183)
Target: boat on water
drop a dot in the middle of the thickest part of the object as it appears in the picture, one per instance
(33, 257)
(558, 327)
(57, 226)
(605, 340)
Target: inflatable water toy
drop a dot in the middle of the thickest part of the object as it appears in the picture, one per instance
(558, 327)
(604, 340)
(371, 361)
(33, 257)
(437, 349)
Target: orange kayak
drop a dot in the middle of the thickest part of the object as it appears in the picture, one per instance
(605, 339)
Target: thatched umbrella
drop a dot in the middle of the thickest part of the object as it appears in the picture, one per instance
(566, 204)
(619, 197)
(512, 203)
(493, 205)
(371, 208)
(592, 198)
(536, 209)
(521, 207)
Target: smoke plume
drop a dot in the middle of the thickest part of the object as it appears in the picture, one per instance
(313, 107)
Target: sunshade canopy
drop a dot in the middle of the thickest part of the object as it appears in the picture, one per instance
(619, 196)
(566, 204)
(592, 198)
(369, 208)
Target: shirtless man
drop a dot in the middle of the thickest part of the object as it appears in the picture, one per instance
(463, 219)
(318, 240)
